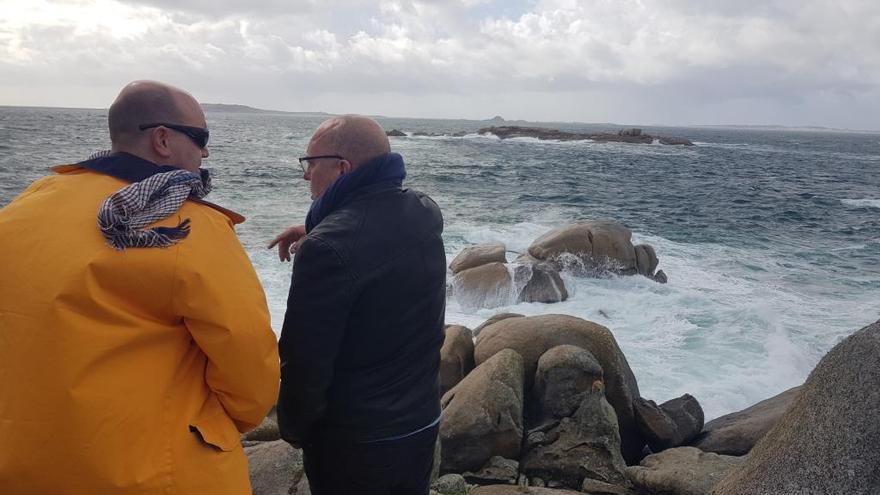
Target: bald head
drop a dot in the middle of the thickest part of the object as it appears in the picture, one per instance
(146, 102)
(357, 138)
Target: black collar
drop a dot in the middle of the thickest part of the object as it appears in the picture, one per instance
(127, 167)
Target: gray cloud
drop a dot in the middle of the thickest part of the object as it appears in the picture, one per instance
(712, 60)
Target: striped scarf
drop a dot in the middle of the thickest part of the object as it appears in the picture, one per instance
(123, 216)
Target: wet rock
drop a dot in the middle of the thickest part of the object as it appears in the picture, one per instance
(485, 286)
(682, 471)
(660, 277)
(670, 424)
(533, 336)
(827, 441)
(737, 433)
(646, 260)
(456, 356)
(395, 133)
(474, 256)
(544, 285)
(598, 247)
(483, 414)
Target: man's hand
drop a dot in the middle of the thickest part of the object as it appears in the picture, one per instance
(288, 241)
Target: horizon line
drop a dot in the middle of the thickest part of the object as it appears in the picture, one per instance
(256, 110)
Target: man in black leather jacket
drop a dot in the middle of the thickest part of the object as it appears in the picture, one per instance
(360, 345)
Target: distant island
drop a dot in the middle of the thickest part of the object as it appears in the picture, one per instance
(633, 135)
(228, 108)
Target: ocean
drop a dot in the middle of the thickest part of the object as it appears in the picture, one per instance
(770, 238)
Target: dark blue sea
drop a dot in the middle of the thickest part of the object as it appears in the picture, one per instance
(770, 238)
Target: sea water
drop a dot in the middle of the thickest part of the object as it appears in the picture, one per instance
(770, 239)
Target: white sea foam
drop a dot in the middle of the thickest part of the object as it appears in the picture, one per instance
(861, 203)
(724, 329)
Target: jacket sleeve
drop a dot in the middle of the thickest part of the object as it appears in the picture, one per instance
(321, 296)
(224, 308)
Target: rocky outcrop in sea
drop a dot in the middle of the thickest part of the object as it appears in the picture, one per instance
(631, 136)
(482, 277)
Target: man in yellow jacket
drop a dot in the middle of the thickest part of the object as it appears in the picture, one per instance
(135, 344)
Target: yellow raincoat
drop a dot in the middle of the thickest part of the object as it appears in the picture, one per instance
(126, 372)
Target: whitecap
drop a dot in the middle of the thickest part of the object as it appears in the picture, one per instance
(861, 203)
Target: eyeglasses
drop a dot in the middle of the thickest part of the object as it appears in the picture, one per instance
(198, 135)
(305, 165)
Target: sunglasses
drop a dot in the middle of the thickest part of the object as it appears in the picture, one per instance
(305, 161)
(198, 135)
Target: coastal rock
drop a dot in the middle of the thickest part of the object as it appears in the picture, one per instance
(497, 470)
(598, 246)
(682, 471)
(633, 136)
(512, 131)
(646, 259)
(827, 441)
(266, 432)
(534, 335)
(485, 286)
(565, 375)
(578, 436)
(456, 356)
(660, 277)
(737, 433)
(675, 141)
(483, 414)
(474, 256)
(495, 319)
(274, 467)
(519, 490)
(438, 456)
(596, 487)
(450, 484)
(670, 424)
(544, 285)
(395, 133)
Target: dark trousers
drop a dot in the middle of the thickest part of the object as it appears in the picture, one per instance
(389, 467)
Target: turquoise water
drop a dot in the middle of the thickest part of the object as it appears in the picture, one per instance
(771, 239)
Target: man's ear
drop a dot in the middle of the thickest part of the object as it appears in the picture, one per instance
(346, 167)
(159, 141)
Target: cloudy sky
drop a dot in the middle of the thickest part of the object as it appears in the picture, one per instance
(678, 62)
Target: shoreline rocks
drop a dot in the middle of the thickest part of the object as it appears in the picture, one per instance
(532, 336)
(538, 415)
(671, 424)
(827, 441)
(483, 415)
(682, 471)
(736, 433)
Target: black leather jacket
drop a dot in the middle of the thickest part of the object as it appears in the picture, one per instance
(360, 346)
